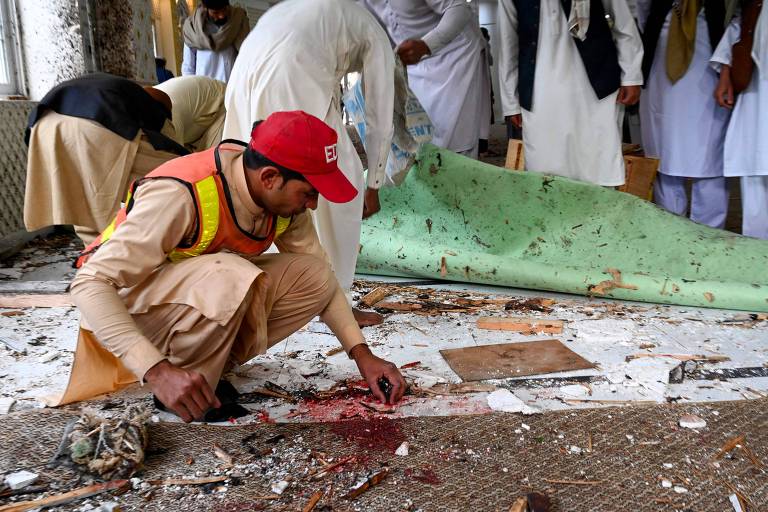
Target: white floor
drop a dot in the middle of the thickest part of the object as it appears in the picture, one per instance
(602, 331)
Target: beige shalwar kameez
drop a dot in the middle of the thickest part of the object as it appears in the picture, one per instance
(203, 313)
(198, 110)
(78, 172)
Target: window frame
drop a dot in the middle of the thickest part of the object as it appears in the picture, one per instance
(10, 41)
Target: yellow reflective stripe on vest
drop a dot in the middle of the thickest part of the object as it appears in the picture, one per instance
(110, 229)
(282, 225)
(208, 201)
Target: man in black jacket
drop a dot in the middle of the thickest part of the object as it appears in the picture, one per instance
(89, 138)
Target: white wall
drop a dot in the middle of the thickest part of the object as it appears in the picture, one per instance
(51, 42)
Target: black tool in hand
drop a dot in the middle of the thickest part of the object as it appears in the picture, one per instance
(385, 386)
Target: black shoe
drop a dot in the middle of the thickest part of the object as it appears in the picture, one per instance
(227, 395)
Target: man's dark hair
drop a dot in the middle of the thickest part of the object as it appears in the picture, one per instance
(255, 160)
(160, 62)
(215, 4)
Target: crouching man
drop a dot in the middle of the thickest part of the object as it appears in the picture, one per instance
(177, 290)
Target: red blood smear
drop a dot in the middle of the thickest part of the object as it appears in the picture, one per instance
(380, 434)
(263, 416)
(424, 475)
(410, 365)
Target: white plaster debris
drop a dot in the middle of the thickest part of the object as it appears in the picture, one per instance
(692, 421)
(423, 379)
(574, 391)
(679, 489)
(279, 487)
(504, 401)
(736, 503)
(526, 427)
(110, 506)
(668, 465)
(575, 449)
(666, 484)
(20, 479)
(6, 403)
(49, 356)
(402, 450)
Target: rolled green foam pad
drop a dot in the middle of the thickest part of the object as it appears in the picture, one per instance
(530, 230)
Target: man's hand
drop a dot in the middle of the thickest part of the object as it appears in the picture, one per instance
(516, 120)
(373, 368)
(411, 51)
(628, 94)
(724, 90)
(371, 203)
(185, 392)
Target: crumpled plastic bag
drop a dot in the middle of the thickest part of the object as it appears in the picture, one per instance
(412, 126)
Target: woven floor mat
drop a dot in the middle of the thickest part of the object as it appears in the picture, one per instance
(619, 458)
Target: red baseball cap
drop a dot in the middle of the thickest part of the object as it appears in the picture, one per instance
(303, 143)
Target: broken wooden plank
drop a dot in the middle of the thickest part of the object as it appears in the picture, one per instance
(576, 401)
(310, 506)
(64, 498)
(188, 481)
(34, 300)
(520, 324)
(399, 306)
(334, 351)
(507, 360)
(375, 296)
(373, 480)
(729, 445)
(682, 357)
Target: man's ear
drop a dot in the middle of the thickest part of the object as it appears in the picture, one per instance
(270, 177)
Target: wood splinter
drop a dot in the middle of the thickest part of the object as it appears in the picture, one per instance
(604, 287)
(372, 481)
(374, 296)
(519, 324)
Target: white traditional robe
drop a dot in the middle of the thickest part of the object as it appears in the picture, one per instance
(569, 131)
(295, 59)
(746, 140)
(448, 83)
(682, 124)
(208, 63)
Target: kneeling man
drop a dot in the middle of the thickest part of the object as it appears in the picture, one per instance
(177, 289)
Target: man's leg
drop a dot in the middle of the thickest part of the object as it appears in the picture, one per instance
(297, 288)
(669, 193)
(189, 339)
(754, 201)
(709, 201)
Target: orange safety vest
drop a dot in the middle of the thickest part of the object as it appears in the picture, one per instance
(216, 226)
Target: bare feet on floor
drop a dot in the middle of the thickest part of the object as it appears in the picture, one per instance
(367, 318)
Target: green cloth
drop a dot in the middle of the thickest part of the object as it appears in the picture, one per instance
(528, 230)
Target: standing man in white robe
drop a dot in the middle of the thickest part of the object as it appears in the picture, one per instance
(440, 42)
(565, 77)
(746, 141)
(681, 123)
(295, 59)
(212, 39)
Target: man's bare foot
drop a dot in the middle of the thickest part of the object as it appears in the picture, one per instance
(367, 318)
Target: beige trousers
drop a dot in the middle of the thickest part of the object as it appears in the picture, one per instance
(290, 290)
(78, 173)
